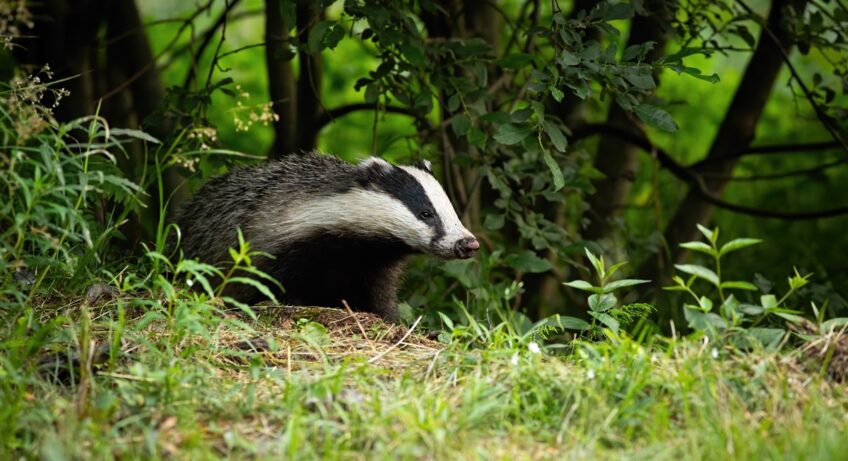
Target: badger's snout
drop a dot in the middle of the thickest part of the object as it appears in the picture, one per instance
(466, 248)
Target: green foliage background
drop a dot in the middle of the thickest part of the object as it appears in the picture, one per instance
(698, 107)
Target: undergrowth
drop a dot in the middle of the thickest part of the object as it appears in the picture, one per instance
(142, 357)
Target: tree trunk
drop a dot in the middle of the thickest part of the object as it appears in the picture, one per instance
(616, 158)
(129, 56)
(64, 36)
(735, 133)
(308, 81)
(281, 81)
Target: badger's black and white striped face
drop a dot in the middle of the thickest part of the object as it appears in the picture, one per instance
(407, 202)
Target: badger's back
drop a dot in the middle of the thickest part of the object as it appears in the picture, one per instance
(209, 222)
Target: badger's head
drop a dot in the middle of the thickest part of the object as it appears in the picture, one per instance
(407, 203)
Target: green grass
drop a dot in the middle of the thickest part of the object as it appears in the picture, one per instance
(180, 380)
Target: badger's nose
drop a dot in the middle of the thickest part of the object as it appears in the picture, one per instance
(466, 247)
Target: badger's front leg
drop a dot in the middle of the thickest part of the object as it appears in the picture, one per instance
(381, 292)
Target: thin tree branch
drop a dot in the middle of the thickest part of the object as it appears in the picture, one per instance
(206, 40)
(774, 149)
(696, 181)
(327, 116)
(175, 56)
(186, 23)
(788, 174)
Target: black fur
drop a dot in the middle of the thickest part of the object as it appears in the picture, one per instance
(328, 269)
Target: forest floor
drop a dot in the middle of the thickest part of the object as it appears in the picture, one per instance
(84, 382)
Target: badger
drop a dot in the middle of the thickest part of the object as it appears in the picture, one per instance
(335, 232)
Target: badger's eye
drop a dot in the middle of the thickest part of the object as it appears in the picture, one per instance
(426, 214)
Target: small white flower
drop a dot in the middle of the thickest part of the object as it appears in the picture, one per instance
(714, 353)
(534, 348)
(189, 282)
(514, 359)
(590, 373)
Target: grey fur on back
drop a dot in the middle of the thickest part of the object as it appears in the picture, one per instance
(209, 221)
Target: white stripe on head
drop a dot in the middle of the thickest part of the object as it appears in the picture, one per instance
(454, 230)
(358, 212)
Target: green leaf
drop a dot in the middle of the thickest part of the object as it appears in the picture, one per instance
(597, 263)
(656, 117)
(699, 246)
(745, 35)
(730, 307)
(453, 103)
(138, 134)
(494, 221)
(833, 324)
(607, 320)
(751, 309)
(798, 281)
(559, 180)
(556, 93)
(572, 323)
(769, 302)
(509, 134)
(703, 321)
(255, 284)
(528, 261)
(334, 36)
(618, 284)
(602, 302)
(738, 285)
(556, 136)
(641, 78)
(619, 11)
(460, 124)
(315, 41)
(582, 285)
(563, 321)
(791, 317)
(695, 72)
(614, 268)
(372, 92)
(448, 322)
(710, 235)
(477, 137)
(699, 271)
(737, 244)
(767, 337)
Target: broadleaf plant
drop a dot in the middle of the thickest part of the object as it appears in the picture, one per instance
(727, 316)
(604, 306)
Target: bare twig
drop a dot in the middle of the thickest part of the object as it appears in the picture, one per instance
(395, 345)
(359, 324)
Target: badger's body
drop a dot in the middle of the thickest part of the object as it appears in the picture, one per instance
(337, 231)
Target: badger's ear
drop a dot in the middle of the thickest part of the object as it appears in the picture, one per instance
(424, 165)
(370, 169)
